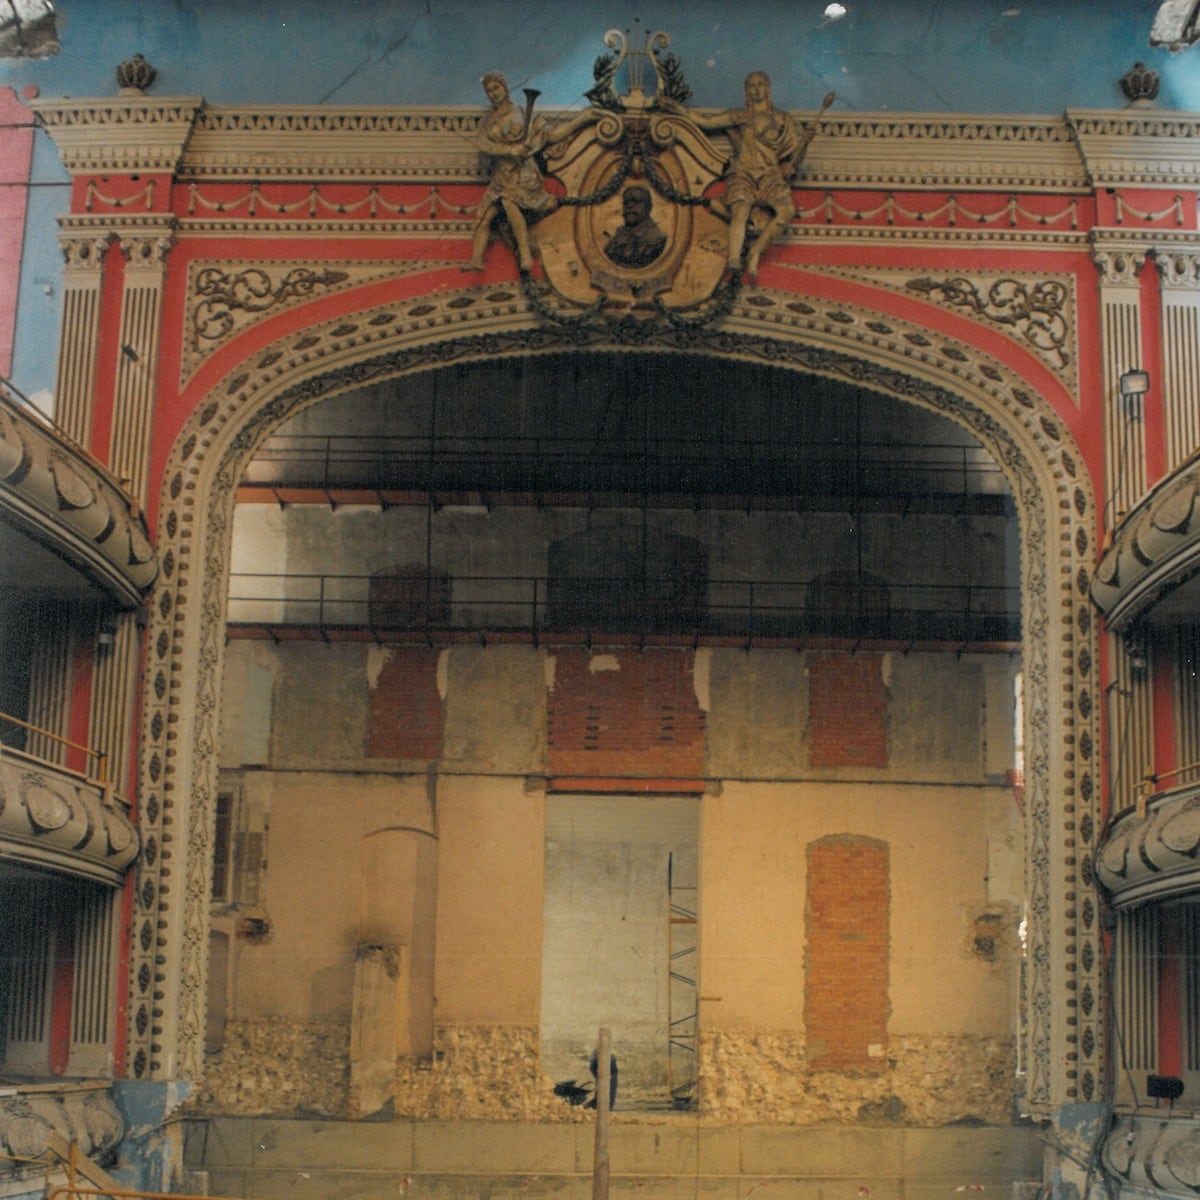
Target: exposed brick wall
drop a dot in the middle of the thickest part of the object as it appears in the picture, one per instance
(624, 716)
(405, 714)
(848, 710)
(846, 967)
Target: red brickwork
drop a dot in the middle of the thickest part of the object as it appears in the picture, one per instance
(405, 713)
(610, 727)
(846, 972)
(848, 710)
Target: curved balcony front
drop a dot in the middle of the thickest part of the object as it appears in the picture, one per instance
(1154, 559)
(65, 523)
(62, 820)
(1153, 1155)
(1152, 852)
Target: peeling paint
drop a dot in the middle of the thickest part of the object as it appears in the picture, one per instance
(443, 674)
(603, 662)
(702, 677)
(378, 657)
(548, 667)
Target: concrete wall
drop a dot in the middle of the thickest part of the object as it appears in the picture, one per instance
(670, 1158)
(447, 856)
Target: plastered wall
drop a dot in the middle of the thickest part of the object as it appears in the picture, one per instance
(446, 854)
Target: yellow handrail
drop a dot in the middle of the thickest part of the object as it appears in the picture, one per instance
(67, 1189)
(1149, 781)
(101, 756)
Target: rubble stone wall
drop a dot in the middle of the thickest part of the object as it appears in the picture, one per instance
(489, 1073)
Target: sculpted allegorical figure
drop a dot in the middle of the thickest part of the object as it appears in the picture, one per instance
(767, 149)
(510, 139)
(639, 241)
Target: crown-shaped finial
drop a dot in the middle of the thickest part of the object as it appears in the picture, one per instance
(135, 75)
(1140, 86)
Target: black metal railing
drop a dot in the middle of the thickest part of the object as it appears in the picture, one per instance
(655, 467)
(542, 606)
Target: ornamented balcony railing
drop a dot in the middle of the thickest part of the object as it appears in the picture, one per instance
(43, 1125)
(1152, 851)
(60, 496)
(1153, 1155)
(63, 820)
(1154, 549)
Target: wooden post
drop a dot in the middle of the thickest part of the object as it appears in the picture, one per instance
(600, 1162)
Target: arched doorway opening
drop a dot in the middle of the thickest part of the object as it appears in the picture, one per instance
(1021, 446)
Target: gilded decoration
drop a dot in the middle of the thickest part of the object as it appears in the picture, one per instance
(646, 215)
(801, 333)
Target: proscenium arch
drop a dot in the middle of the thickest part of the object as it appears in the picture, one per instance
(1062, 1048)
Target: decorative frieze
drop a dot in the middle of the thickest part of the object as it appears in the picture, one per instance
(1037, 312)
(226, 297)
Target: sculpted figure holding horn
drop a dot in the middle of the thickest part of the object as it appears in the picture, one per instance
(511, 138)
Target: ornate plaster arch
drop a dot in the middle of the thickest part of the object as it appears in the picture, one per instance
(1063, 1051)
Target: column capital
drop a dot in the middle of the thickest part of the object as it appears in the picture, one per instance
(1118, 262)
(1178, 267)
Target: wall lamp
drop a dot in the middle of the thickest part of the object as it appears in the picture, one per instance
(1134, 385)
(1133, 641)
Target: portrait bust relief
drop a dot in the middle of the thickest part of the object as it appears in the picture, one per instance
(639, 241)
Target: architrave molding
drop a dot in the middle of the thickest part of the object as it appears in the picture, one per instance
(775, 327)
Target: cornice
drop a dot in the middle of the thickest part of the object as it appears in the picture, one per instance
(126, 134)
(283, 142)
(62, 821)
(61, 497)
(186, 137)
(1153, 856)
(1154, 550)
(1146, 148)
(922, 152)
